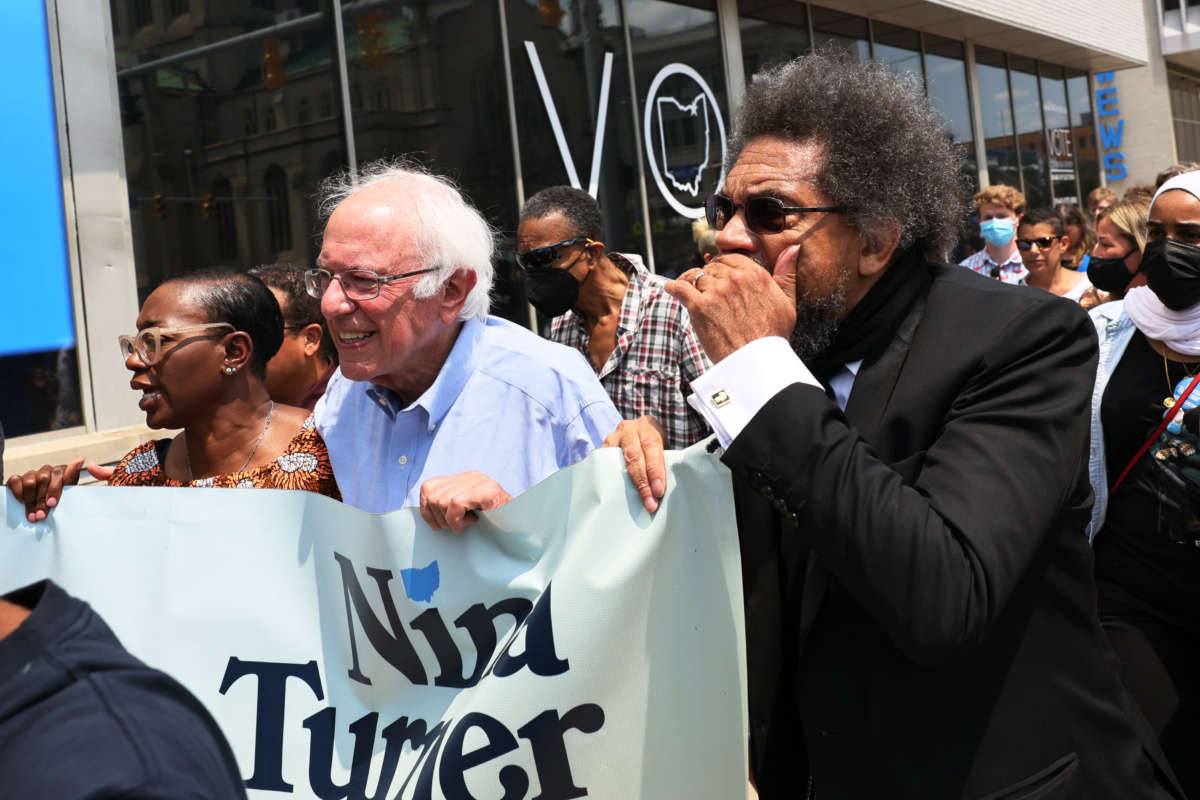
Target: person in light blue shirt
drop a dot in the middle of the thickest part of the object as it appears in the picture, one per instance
(436, 404)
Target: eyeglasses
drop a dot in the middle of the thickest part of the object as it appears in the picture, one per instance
(148, 343)
(1042, 242)
(357, 284)
(763, 214)
(546, 255)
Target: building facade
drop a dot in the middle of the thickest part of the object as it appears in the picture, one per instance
(194, 133)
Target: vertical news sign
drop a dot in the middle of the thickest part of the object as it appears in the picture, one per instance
(1112, 131)
(36, 312)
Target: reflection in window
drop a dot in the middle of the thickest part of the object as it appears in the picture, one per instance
(1087, 162)
(842, 30)
(142, 14)
(1060, 149)
(1002, 159)
(946, 82)
(571, 55)
(773, 32)
(681, 169)
(202, 124)
(898, 47)
(455, 118)
(41, 392)
(226, 226)
(177, 8)
(1027, 108)
(279, 213)
(1185, 111)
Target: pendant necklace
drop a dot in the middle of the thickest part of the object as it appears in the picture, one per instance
(1169, 400)
(187, 457)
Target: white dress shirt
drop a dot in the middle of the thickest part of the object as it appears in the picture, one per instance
(733, 390)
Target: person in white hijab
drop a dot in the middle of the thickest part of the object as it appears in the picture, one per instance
(1147, 552)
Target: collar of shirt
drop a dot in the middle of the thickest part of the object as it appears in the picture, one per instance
(451, 378)
(842, 382)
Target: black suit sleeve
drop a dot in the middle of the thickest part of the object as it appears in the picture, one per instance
(936, 562)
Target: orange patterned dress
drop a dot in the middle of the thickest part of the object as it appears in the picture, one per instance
(304, 465)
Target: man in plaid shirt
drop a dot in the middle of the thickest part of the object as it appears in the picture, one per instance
(638, 338)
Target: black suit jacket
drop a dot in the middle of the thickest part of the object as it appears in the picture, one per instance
(920, 604)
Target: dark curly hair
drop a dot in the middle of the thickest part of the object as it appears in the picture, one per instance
(302, 308)
(888, 154)
(244, 302)
(578, 208)
(1045, 216)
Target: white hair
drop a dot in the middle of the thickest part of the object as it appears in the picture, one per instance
(448, 231)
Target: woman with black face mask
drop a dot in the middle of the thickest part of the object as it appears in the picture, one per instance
(1115, 263)
(1146, 517)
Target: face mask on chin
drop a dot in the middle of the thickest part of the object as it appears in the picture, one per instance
(1172, 270)
(1110, 274)
(997, 232)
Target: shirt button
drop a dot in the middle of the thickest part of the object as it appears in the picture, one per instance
(402, 460)
(383, 402)
(432, 427)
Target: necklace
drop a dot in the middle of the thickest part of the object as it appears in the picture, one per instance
(1169, 400)
(187, 455)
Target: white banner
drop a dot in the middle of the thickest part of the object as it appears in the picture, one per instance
(570, 644)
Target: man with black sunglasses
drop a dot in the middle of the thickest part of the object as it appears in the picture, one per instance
(608, 306)
(909, 448)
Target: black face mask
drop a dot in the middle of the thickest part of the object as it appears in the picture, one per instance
(1172, 270)
(551, 291)
(1110, 274)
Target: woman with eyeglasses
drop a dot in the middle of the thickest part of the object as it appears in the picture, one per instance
(199, 360)
(1145, 524)
(1042, 242)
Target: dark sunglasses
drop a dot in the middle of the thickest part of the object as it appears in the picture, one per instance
(1042, 242)
(763, 214)
(544, 256)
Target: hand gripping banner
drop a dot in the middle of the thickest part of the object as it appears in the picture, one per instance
(568, 645)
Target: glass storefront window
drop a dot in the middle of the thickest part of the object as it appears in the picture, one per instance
(773, 31)
(946, 82)
(840, 29)
(222, 150)
(571, 49)
(425, 84)
(1060, 147)
(680, 77)
(1027, 108)
(1083, 133)
(992, 73)
(898, 47)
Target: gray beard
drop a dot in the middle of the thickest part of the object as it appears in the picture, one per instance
(817, 322)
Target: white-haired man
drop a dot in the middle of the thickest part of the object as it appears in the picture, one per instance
(436, 403)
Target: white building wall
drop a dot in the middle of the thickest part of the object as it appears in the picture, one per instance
(1145, 104)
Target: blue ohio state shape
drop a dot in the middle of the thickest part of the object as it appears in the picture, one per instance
(420, 583)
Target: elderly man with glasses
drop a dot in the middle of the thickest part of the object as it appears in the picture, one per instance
(609, 307)
(909, 449)
(436, 404)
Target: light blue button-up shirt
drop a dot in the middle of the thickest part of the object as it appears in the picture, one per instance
(506, 402)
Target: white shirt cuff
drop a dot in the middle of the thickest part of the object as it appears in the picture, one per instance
(733, 390)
